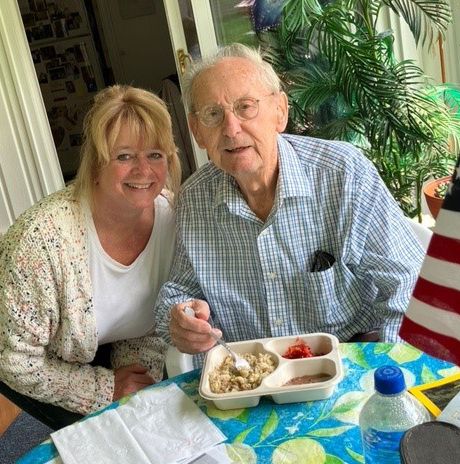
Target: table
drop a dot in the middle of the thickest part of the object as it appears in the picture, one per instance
(314, 432)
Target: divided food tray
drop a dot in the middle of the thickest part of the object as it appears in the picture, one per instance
(326, 360)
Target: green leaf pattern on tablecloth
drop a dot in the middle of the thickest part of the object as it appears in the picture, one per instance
(427, 374)
(403, 353)
(270, 425)
(125, 399)
(356, 456)
(330, 459)
(348, 406)
(354, 353)
(244, 416)
(242, 436)
(382, 348)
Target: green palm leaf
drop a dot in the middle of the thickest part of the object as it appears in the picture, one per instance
(425, 18)
(344, 82)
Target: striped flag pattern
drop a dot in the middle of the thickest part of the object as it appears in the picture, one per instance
(432, 321)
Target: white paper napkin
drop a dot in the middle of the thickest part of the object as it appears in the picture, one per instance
(160, 425)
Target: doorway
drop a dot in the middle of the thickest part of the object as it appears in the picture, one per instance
(80, 46)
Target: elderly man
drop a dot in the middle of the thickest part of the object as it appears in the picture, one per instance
(279, 234)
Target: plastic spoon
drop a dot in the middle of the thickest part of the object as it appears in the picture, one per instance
(239, 362)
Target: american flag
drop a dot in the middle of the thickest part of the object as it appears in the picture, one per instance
(432, 321)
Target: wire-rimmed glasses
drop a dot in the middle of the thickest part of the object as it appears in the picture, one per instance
(244, 108)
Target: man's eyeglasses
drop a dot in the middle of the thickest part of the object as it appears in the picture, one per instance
(244, 109)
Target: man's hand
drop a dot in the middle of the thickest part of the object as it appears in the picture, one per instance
(191, 334)
(130, 379)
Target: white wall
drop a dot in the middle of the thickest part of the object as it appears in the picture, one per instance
(452, 45)
(29, 167)
(428, 56)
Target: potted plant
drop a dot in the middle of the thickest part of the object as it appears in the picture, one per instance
(344, 82)
(435, 191)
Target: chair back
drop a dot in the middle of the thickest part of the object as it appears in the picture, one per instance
(422, 232)
(178, 363)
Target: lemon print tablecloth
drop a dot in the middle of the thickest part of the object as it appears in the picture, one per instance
(314, 432)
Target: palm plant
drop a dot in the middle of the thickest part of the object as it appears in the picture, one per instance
(344, 82)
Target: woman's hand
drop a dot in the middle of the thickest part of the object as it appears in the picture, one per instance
(130, 379)
(191, 334)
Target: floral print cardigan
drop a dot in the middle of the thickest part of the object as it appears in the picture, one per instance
(47, 322)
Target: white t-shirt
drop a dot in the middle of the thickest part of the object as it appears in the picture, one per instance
(124, 296)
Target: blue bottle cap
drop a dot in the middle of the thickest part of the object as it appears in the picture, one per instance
(389, 380)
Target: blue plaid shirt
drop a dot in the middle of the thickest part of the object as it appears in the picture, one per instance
(256, 276)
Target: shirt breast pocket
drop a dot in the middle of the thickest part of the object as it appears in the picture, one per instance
(331, 296)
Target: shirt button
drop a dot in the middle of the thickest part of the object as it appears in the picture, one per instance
(278, 322)
(272, 275)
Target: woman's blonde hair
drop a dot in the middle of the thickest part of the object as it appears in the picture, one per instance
(148, 119)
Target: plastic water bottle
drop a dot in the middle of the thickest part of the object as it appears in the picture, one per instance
(386, 415)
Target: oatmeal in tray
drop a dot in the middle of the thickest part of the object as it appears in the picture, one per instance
(226, 378)
(288, 369)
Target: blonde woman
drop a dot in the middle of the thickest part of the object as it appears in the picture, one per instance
(80, 270)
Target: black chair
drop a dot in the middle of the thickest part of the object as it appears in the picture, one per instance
(371, 336)
(52, 416)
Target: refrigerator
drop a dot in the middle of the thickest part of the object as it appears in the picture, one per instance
(68, 69)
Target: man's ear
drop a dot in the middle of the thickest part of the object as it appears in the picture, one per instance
(282, 109)
(195, 127)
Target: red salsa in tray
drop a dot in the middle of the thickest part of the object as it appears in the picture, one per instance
(298, 350)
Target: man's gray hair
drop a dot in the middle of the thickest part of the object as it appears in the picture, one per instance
(268, 76)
